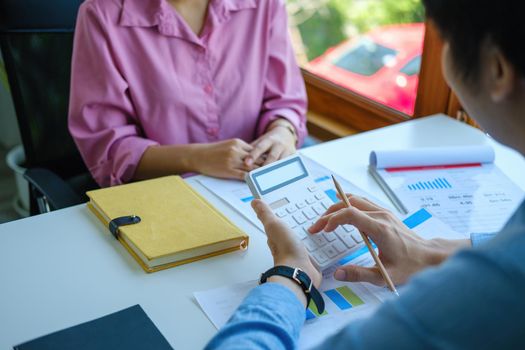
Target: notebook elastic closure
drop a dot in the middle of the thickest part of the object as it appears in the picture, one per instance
(115, 224)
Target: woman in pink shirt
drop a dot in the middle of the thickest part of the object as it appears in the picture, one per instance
(165, 87)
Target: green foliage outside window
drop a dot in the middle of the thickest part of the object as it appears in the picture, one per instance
(325, 23)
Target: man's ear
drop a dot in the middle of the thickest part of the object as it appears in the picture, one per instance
(501, 75)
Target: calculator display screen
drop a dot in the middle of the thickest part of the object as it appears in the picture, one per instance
(280, 175)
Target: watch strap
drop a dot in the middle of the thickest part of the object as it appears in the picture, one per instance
(301, 278)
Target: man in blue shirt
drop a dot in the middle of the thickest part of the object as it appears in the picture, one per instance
(475, 298)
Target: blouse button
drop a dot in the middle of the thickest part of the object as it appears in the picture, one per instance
(213, 131)
(208, 89)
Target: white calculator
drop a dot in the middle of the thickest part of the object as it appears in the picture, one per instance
(287, 187)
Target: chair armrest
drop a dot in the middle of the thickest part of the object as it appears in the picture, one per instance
(47, 184)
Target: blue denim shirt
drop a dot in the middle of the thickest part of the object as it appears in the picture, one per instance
(475, 300)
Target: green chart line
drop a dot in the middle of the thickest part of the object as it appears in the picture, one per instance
(350, 296)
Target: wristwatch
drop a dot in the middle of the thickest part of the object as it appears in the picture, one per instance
(302, 279)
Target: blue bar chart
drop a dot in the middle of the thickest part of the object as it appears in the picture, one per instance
(343, 297)
(439, 183)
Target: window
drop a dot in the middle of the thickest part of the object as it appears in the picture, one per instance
(365, 58)
(412, 67)
(365, 62)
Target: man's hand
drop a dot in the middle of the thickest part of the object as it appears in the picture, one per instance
(401, 250)
(286, 248)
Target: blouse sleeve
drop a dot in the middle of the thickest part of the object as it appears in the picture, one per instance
(101, 114)
(284, 90)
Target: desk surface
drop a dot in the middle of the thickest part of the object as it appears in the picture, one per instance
(63, 268)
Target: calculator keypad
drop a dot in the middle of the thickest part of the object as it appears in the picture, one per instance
(324, 247)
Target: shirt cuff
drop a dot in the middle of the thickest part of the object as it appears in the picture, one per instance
(123, 162)
(479, 238)
(284, 113)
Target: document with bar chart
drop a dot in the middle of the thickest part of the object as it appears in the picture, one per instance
(344, 302)
(470, 194)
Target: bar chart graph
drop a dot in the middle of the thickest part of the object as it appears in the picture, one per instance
(439, 183)
(343, 297)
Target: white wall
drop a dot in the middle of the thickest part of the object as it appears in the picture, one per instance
(9, 134)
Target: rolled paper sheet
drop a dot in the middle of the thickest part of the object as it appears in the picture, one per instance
(432, 156)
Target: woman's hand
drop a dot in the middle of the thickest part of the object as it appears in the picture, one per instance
(223, 159)
(286, 248)
(401, 251)
(277, 143)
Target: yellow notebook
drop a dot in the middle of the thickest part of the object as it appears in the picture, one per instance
(177, 225)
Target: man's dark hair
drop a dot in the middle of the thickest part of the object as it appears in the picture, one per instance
(467, 24)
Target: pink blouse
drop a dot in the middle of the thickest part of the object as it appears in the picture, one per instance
(141, 77)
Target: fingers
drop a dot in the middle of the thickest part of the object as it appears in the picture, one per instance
(237, 174)
(243, 146)
(258, 150)
(320, 224)
(364, 204)
(263, 211)
(335, 207)
(354, 273)
(275, 154)
(353, 216)
(239, 150)
(276, 230)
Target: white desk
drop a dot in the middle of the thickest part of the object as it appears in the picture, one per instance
(64, 268)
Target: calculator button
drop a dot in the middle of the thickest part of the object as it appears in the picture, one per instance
(318, 209)
(340, 232)
(291, 209)
(339, 246)
(349, 242)
(299, 218)
(320, 257)
(280, 213)
(300, 205)
(310, 245)
(309, 213)
(326, 203)
(346, 238)
(319, 239)
(290, 222)
(330, 237)
(319, 196)
(357, 237)
(310, 200)
(303, 232)
(329, 251)
(312, 188)
(349, 228)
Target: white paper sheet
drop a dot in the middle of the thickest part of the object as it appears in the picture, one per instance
(477, 199)
(382, 159)
(238, 195)
(220, 303)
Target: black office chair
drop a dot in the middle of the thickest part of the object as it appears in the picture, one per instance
(36, 39)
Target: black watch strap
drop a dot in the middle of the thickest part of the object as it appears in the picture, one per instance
(302, 279)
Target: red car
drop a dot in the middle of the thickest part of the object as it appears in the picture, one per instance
(382, 65)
